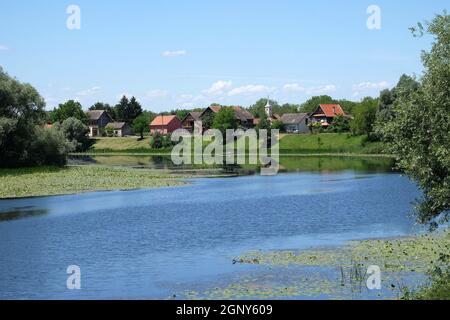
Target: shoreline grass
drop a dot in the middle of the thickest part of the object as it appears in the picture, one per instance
(296, 144)
(51, 181)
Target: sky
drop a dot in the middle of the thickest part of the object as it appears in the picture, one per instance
(184, 54)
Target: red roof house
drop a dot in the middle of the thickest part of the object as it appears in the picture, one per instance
(325, 113)
(165, 124)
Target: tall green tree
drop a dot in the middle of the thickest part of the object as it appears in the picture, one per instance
(340, 124)
(69, 109)
(76, 132)
(134, 110)
(128, 110)
(364, 116)
(419, 135)
(103, 106)
(259, 106)
(225, 119)
(141, 124)
(121, 109)
(311, 104)
(386, 111)
(23, 139)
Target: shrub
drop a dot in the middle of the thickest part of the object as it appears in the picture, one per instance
(159, 141)
(76, 133)
(49, 147)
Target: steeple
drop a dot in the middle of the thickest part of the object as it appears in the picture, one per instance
(268, 109)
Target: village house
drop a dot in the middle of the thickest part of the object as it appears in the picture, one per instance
(98, 119)
(165, 124)
(121, 129)
(188, 121)
(244, 118)
(325, 114)
(295, 122)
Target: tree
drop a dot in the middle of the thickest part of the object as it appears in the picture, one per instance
(103, 106)
(364, 116)
(69, 109)
(134, 110)
(141, 124)
(419, 135)
(263, 123)
(109, 130)
(259, 106)
(208, 120)
(277, 124)
(76, 134)
(340, 124)
(347, 105)
(311, 104)
(405, 86)
(48, 147)
(120, 109)
(225, 119)
(158, 141)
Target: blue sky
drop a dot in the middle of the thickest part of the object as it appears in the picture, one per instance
(172, 54)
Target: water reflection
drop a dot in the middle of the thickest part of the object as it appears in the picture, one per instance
(287, 163)
(21, 213)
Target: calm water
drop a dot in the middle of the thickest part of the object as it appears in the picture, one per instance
(154, 243)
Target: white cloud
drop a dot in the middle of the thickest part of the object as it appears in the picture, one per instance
(157, 94)
(3, 47)
(89, 92)
(295, 87)
(362, 87)
(371, 85)
(191, 101)
(250, 90)
(175, 53)
(219, 88)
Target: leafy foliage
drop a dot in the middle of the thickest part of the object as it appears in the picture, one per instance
(76, 134)
(103, 106)
(69, 109)
(127, 110)
(257, 108)
(340, 124)
(49, 147)
(23, 139)
(225, 119)
(364, 116)
(159, 141)
(419, 134)
(141, 124)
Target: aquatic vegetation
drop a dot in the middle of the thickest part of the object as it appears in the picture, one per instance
(45, 181)
(338, 273)
(414, 254)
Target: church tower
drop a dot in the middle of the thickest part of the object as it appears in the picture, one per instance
(268, 109)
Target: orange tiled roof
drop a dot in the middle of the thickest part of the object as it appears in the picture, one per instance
(331, 110)
(162, 120)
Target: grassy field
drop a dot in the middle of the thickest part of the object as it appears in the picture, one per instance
(46, 181)
(328, 143)
(121, 144)
(289, 143)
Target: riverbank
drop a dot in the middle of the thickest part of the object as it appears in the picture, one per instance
(48, 181)
(290, 144)
(340, 272)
